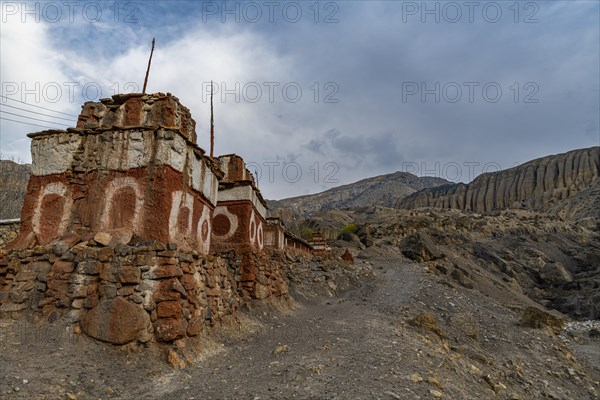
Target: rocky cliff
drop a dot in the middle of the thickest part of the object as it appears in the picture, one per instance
(544, 184)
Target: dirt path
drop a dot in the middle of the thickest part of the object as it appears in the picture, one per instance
(336, 348)
(358, 345)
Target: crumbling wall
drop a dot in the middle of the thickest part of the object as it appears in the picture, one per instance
(260, 275)
(137, 110)
(296, 247)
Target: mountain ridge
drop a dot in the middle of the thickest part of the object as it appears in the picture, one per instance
(381, 189)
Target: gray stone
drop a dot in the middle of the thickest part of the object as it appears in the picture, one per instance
(555, 274)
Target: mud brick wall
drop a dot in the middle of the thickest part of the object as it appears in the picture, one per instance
(239, 218)
(138, 110)
(237, 224)
(296, 247)
(235, 171)
(131, 169)
(146, 292)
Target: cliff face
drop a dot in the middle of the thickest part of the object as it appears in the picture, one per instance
(542, 185)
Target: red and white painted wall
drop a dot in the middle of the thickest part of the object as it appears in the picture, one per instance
(239, 218)
(131, 167)
(275, 234)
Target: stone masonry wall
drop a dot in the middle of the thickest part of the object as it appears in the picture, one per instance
(117, 224)
(144, 292)
(8, 232)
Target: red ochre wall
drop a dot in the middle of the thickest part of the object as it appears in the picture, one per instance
(237, 224)
(145, 203)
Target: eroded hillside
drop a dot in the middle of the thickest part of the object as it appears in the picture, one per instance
(565, 182)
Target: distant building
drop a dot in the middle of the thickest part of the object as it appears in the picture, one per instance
(296, 246)
(320, 245)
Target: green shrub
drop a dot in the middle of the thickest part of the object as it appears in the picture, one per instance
(350, 228)
(307, 233)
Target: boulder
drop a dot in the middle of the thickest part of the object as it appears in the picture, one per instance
(420, 247)
(555, 274)
(116, 321)
(534, 317)
(352, 238)
(347, 256)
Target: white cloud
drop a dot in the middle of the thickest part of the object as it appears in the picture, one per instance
(31, 70)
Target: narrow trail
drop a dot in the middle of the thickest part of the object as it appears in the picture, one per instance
(330, 348)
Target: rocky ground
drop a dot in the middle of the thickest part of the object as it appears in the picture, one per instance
(388, 328)
(553, 261)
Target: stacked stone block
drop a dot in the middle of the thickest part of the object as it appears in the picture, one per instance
(146, 292)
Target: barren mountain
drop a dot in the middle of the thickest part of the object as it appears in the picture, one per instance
(565, 183)
(383, 190)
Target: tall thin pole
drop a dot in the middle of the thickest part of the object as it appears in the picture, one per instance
(212, 123)
(148, 70)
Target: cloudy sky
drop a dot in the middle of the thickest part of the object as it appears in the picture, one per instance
(318, 94)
